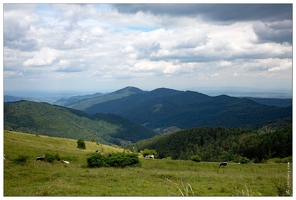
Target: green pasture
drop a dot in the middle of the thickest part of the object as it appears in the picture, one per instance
(156, 177)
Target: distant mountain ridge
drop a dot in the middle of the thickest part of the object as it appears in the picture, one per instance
(57, 121)
(165, 107)
(86, 101)
(9, 98)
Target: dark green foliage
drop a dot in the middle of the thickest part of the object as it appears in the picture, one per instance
(81, 144)
(221, 144)
(57, 157)
(21, 159)
(49, 158)
(113, 160)
(244, 160)
(96, 160)
(122, 160)
(196, 158)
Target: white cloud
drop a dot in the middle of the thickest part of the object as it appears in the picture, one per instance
(45, 56)
(102, 44)
(214, 75)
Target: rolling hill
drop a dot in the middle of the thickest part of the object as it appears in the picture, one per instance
(83, 102)
(186, 109)
(57, 121)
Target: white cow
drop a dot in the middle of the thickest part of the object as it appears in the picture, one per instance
(150, 156)
(65, 162)
(40, 158)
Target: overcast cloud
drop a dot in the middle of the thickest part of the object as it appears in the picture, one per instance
(104, 47)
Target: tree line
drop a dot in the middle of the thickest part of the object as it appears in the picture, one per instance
(221, 144)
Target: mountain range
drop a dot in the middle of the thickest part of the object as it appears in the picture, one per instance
(165, 107)
(131, 114)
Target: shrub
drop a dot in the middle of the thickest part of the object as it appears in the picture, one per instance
(49, 158)
(196, 158)
(96, 160)
(57, 157)
(122, 160)
(113, 160)
(21, 159)
(81, 144)
(244, 160)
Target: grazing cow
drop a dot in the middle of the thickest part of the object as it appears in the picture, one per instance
(223, 164)
(4, 157)
(97, 151)
(40, 158)
(150, 156)
(65, 162)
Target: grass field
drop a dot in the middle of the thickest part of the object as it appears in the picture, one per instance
(154, 178)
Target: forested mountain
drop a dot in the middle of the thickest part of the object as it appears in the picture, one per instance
(57, 121)
(221, 144)
(166, 107)
(272, 101)
(84, 102)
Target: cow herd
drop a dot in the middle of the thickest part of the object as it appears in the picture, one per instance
(41, 158)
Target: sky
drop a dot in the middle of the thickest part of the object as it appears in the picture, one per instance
(105, 47)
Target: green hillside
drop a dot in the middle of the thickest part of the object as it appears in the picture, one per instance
(57, 121)
(222, 144)
(158, 177)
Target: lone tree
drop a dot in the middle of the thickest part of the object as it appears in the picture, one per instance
(81, 144)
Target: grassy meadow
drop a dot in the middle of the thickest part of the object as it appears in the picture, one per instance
(157, 177)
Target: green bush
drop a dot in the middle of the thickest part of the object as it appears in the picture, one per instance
(196, 158)
(81, 144)
(21, 159)
(244, 160)
(113, 160)
(96, 160)
(57, 157)
(49, 158)
(122, 160)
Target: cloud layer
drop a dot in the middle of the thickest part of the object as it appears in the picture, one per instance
(102, 47)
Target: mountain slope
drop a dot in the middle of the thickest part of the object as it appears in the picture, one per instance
(88, 102)
(221, 144)
(46, 119)
(165, 107)
(75, 99)
(272, 101)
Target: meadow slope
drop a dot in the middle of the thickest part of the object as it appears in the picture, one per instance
(157, 177)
